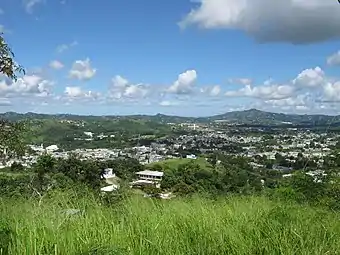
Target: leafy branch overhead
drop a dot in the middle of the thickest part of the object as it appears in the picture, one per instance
(8, 66)
(11, 134)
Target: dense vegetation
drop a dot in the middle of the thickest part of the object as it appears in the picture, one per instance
(216, 176)
(70, 135)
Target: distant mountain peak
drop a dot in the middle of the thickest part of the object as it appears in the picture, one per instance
(254, 110)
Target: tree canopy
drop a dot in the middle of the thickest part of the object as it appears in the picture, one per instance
(11, 142)
(8, 66)
(11, 139)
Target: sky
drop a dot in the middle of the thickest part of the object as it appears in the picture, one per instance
(178, 57)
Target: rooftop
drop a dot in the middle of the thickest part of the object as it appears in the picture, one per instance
(109, 188)
(152, 173)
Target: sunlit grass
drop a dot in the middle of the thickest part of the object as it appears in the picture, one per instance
(250, 225)
(175, 163)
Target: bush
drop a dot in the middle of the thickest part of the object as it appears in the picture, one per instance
(285, 194)
(14, 187)
(117, 196)
(17, 167)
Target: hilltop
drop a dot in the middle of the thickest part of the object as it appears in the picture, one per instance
(254, 116)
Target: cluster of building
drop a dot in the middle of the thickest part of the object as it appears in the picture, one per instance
(205, 139)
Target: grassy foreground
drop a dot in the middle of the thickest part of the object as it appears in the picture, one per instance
(251, 225)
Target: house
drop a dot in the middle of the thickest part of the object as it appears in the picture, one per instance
(191, 156)
(108, 173)
(52, 148)
(89, 134)
(148, 175)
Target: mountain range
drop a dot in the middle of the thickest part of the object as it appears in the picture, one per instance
(250, 117)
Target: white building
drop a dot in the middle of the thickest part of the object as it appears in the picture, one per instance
(192, 156)
(150, 175)
(108, 173)
(52, 148)
(36, 148)
(89, 134)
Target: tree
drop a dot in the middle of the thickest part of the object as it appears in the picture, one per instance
(11, 144)
(151, 190)
(156, 167)
(17, 167)
(8, 66)
(81, 171)
(212, 159)
(124, 168)
(183, 189)
(309, 186)
(45, 165)
(11, 139)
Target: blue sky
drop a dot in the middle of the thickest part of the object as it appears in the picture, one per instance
(174, 57)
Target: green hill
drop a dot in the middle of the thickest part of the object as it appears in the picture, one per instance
(252, 117)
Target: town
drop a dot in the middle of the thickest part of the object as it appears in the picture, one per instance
(282, 149)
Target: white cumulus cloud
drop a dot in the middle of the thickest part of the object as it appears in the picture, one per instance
(184, 84)
(55, 64)
(211, 91)
(302, 103)
(74, 91)
(28, 85)
(263, 92)
(331, 92)
(78, 92)
(119, 82)
(299, 100)
(310, 78)
(134, 91)
(293, 21)
(82, 70)
(121, 89)
(215, 91)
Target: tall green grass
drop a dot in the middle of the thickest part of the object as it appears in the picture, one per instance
(248, 225)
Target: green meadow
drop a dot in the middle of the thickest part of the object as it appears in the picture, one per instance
(137, 225)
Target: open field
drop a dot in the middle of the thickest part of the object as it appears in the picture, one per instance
(249, 225)
(175, 163)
